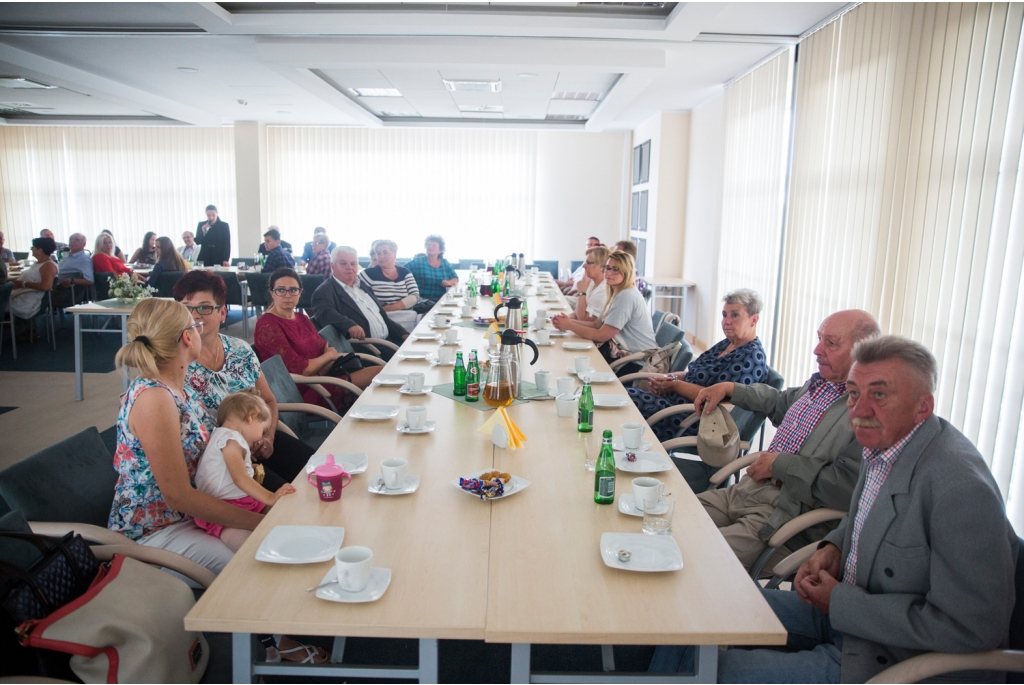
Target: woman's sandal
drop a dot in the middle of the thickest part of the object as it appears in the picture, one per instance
(312, 653)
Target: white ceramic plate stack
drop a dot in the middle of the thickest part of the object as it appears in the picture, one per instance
(375, 412)
(611, 401)
(647, 553)
(515, 485)
(300, 544)
(646, 462)
(353, 463)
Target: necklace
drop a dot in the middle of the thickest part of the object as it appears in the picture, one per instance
(216, 362)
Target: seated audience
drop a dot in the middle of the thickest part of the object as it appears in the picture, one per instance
(307, 250)
(321, 261)
(629, 247)
(74, 270)
(433, 274)
(103, 259)
(394, 286)
(188, 250)
(813, 460)
(147, 253)
(6, 256)
(167, 259)
(739, 358)
(343, 302)
(34, 283)
(215, 236)
(923, 561)
(285, 245)
(569, 287)
(282, 330)
(226, 365)
(276, 256)
(624, 326)
(593, 293)
(60, 247)
(117, 250)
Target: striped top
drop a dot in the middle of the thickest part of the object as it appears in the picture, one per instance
(386, 290)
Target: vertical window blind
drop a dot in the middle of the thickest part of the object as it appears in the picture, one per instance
(905, 200)
(473, 187)
(757, 122)
(127, 179)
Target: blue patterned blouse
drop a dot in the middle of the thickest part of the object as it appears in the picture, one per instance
(240, 372)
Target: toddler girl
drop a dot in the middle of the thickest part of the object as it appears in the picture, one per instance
(225, 469)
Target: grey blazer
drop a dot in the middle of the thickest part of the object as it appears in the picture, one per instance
(822, 474)
(935, 560)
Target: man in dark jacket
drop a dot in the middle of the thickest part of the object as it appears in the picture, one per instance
(215, 237)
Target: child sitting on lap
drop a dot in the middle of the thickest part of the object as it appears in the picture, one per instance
(225, 469)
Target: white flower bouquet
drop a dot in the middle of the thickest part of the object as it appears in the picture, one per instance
(123, 288)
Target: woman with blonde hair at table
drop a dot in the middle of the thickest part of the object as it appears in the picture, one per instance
(103, 259)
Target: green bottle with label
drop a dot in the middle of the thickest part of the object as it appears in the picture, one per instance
(604, 472)
(585, 409)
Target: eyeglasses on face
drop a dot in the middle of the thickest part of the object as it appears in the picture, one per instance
(281, 292)
(204, 309)
(197, 325)
(611, 269)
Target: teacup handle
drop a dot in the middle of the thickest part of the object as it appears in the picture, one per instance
(312, 478)
(344, 475)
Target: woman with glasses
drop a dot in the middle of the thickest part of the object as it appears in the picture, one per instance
(283, 331)
(393, 285)
(625, 323)
(593, 294)
(227, 365)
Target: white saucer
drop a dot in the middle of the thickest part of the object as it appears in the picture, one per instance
(300, 544)
(611, 401)
(403, 427)
(650, 553)
(406, 391)
(353, 463)
(426, 336)
(390, 379)
(554, 392)
(411, 484)
(589, 372)
(646, 462)
(619, 446)
(434, 361)
(440, 328)
(380, 578)
(599, 377)
(409, 355)
(549, 343)
(628, 506)
(559, 334)
(375, 412)
(577, 345)
(451, 344)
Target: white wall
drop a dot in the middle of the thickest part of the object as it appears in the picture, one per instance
(579, 192)
(703, 216)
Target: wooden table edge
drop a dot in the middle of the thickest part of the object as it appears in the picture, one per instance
(655, 638)
(330, 630)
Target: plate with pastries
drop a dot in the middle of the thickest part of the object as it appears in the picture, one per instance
(491, 484)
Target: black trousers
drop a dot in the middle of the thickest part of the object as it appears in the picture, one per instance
(288, 460)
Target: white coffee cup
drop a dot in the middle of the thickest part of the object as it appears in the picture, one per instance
(566, 385)
(416, 417)
(354, 565)
(582, 364)
(467, 310)
(415, 381)
(440, 320)
(543, 336)
(542, 318)
(445, 354)
(393, 472)
(451, 336)
(645, 488)
(566, 405)
(542, 379)
(632, 434)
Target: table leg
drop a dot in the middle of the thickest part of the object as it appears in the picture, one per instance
(241, 658)
(79, 392)
(520, 663)
(124, 341)
(608, 657)
(706, 670)
(428, 660)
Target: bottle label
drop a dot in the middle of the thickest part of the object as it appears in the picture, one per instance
(586, 416)
(473, 390)
(606, 486)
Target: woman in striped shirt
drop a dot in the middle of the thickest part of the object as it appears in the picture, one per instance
(393, 285)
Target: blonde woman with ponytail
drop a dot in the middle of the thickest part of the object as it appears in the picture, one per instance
(162, 430)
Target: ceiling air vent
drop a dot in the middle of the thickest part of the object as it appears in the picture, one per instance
(566, 117)
(20, 82)
(485, 86)
(482, 108)
(376, 92)
(566, 95)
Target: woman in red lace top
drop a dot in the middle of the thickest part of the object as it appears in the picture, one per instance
(284, 331)
(103, 258)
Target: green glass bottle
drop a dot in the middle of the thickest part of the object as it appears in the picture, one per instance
(604, 472)
(460, 375)
(585, 412)
(526, 316)
(473, 378)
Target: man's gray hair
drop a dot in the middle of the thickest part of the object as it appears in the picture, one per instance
(382, 243)
(342, 249)
(321, 239)
(750, 300)
(915, 355)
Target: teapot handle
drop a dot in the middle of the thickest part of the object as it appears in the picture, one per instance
(536, 352)
(500, 305)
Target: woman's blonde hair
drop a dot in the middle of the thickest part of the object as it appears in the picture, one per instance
(624, 261)
(154, 329)
(169, 256)
(244, 405)
(600, 254)
(101, 238)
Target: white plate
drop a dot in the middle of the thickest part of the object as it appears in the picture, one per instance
(577, 345)
(589, 372)
(403, 427)
(451, 344)
(390, 379)
(406, 391)
(434, 361)
(300, 544)
(559, 334)
(646, 462)
(353, 463)
(554, 393)
(611, 401)
(627, 505)
(549, 343)
(426, 336)
(375, 412)
(440, 328)
(411, 484)
(602, 377)
(418, 356)
(650, 553)
(380, 578)
(556, 305)
(511, 487)
(619, 446)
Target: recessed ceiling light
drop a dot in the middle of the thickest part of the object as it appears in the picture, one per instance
(376, 92)
(21, 82)
(570, 95)
(481, 108)
(566, 117)
(527, 75)
(400, 114)
(487, 86)
(188, 70)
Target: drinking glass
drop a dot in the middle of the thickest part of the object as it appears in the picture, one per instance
(658, 515)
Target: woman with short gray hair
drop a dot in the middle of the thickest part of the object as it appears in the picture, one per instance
(739, 358)
(393, 285)
(432, 271)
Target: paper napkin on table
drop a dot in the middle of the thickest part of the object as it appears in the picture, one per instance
(501, 417)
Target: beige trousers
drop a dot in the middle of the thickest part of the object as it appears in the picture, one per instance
(740, 511)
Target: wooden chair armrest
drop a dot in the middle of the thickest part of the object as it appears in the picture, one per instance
(789, 565)
(325, 394)
(377, 342)
(635, 357)
(309, 409)
(326, 380)
(729, 469)
(283, 427)
(158, 557)
(685, 441)
(670, 411)
(802, 523)
(89, 532)
(630, 377)
(924, 666)
(376, 361)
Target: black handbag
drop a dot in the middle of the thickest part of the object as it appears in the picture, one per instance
(423, 306)
(343, 366)
(63, 573)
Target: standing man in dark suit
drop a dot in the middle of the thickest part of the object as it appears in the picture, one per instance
(215, 237)
(350, 306)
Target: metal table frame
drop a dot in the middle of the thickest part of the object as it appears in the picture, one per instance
(705, 670)
(79, 373)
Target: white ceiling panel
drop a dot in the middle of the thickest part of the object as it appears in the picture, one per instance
(571, 107)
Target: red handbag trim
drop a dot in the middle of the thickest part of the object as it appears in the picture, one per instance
(28, 632)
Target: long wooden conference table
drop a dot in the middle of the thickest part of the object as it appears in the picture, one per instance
(523, 570)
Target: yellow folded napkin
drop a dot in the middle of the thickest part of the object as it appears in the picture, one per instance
(515, 436)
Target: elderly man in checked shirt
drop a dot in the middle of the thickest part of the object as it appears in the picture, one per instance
(813, 460)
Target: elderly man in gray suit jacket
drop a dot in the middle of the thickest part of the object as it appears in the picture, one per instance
(924, 559)
(813, 460)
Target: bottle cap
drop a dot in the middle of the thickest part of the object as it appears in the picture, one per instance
(607, 434)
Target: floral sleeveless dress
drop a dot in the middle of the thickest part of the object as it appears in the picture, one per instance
(139, 508)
